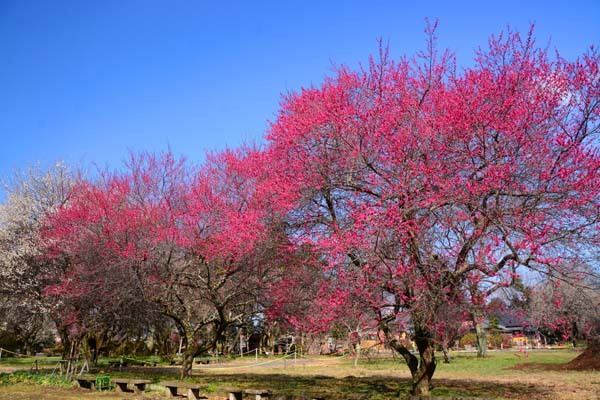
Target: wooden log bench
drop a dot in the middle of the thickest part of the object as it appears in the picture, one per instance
(122, 385)
(86, 382)
(192, 390)
(256, 394)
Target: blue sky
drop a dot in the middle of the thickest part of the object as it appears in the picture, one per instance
(88, 81)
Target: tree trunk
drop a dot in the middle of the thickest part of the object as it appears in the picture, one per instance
(445, 351)
(411, 361)
(188, 362)
(65, 342)
(356, 353)
(191, 350)
(269, 341)
(422, 377)
(481, 339)
(421, 372)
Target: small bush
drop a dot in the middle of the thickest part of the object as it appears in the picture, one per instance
(495, 340)
(468, 339)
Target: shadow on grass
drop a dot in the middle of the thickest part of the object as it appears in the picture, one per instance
(350, 387)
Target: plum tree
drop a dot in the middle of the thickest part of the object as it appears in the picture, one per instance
(419, 184)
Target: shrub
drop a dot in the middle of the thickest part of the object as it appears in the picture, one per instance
(495, 340)
(468, 339)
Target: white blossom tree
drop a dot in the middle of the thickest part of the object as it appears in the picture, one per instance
(30, 195)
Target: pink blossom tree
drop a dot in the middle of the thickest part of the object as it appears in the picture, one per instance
(161, 237)
(416, 181)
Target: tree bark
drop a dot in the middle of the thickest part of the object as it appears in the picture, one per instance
(411, 361)
(188, 362)
(446, 355)
(427, 365)
(481, 338)
(65, 342)
(356, 354)
(422, 371)
(191, 350)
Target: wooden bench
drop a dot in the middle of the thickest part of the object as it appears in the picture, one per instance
(86, 382)
(256, 394)
(192, 389)
(121, 385)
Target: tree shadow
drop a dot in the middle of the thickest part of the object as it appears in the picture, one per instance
(347, 388)
(375, 388)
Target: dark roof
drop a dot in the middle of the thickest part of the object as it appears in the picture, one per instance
(509, 320)
(506, 321)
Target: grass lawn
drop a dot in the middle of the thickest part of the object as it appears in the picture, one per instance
(336, 378)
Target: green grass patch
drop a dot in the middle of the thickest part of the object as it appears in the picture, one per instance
(37, 378)
(500, 363)
(468, 363)
(28, 361)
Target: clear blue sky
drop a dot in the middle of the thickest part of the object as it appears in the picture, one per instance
(86, 81)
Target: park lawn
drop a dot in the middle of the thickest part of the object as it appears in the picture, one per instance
(467, 363)
(493, 377)
(337, 378)
(28, 362)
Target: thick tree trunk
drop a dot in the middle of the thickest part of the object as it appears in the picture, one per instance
(191, 350)
(422, 371)
(427, 365)
(188, 362)
(188, 349)
(481, 339)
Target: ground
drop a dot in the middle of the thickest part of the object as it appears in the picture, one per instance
(536, 375)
